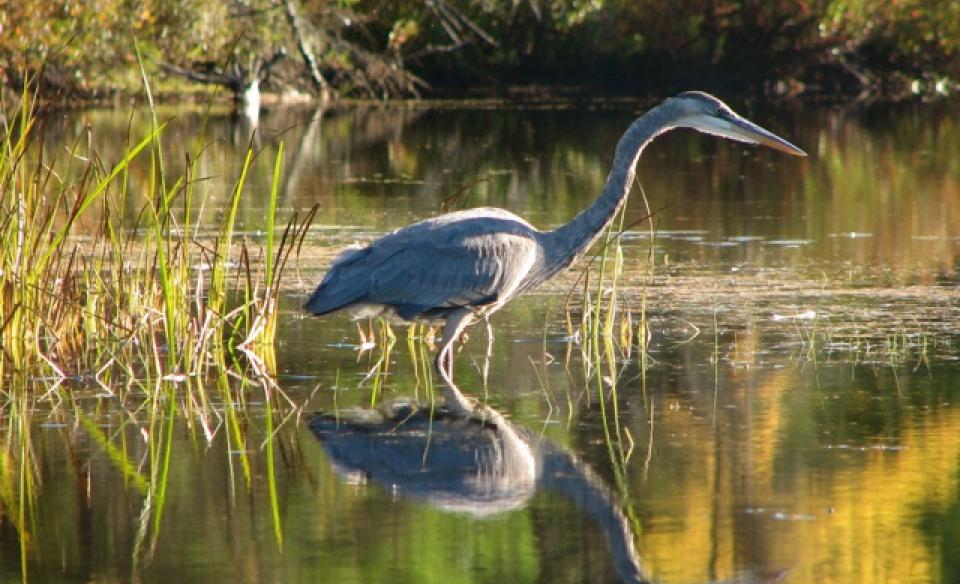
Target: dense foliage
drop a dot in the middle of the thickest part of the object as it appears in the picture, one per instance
(401, 47)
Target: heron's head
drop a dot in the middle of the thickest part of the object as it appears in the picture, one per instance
(705, 113)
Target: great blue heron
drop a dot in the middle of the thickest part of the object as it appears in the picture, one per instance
(468, 264)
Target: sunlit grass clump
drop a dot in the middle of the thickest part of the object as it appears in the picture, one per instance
(91, 293)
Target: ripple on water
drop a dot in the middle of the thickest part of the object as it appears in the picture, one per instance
(789, 242)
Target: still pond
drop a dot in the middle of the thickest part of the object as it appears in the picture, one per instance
(795, 414)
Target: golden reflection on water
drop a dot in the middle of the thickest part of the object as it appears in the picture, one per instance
(836, 511)
(899, 188)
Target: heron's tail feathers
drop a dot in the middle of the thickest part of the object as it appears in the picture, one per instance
(326, 299)
(342, 285)
(317, 304)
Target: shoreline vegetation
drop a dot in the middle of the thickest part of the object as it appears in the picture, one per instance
(112, 293)
(107, 270)
(306, 50)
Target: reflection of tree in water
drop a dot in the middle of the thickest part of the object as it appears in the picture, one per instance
(942, 534)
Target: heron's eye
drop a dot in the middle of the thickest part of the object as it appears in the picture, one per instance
(719, 112)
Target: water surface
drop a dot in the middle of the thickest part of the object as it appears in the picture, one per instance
(796, 414)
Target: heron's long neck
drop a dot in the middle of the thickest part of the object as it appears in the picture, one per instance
(565, 474)
(569, 242)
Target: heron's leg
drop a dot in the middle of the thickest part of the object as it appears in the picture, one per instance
(489, 356)
(455, 324)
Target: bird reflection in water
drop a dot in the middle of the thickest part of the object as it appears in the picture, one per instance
(471, 461)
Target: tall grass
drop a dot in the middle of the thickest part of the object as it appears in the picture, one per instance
(19, 474)
(100, 303)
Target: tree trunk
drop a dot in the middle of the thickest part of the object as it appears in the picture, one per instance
(323, 89)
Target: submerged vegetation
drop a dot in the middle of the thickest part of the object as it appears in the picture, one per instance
(373, 49)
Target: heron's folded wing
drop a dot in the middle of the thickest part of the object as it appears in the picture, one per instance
(455, 271)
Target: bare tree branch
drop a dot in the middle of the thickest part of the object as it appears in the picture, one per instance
(214, 78)
(236, 77)
(453, 22)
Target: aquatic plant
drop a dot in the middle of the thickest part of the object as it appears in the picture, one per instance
(87, 296)
(147, 308)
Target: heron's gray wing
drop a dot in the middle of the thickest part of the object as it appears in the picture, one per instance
(447, 270)
(465, 258)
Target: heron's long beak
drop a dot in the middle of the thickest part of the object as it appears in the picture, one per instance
(734, 127)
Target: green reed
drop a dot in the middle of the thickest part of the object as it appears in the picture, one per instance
(19, 474)
(606, 335)
(378, 372)
(270, 466)
(146, 475)
(83, 294)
